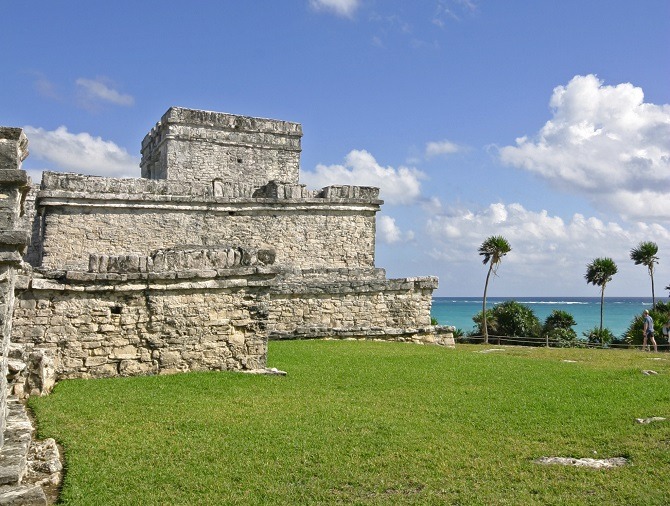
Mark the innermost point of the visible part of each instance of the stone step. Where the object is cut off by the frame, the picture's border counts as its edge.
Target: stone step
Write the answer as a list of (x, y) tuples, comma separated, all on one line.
[(14, 460), (20, 495), (14, 453)]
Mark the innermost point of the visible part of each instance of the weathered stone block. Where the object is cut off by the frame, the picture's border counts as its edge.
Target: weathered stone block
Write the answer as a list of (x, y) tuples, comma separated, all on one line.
[(135, 368), (124, 353), (108, 370), (169, 359), (95, 361)]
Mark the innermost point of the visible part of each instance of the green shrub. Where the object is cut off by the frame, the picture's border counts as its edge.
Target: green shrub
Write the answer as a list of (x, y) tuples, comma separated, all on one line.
[(596, 336), (558, 319), (622, 341), (565, 338), (558, 328), (509, 318)]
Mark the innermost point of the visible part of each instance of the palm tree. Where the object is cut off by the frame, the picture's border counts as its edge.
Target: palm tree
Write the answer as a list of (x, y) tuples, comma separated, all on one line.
[(645, 254), (493, 249), (600, 272)]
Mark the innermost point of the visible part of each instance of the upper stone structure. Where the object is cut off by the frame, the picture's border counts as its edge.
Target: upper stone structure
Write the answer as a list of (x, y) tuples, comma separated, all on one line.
[(203, 146), (13, 148), (13, 181)]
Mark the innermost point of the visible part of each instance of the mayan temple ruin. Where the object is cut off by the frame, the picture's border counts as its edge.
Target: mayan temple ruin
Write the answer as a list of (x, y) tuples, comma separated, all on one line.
[(216, 249)]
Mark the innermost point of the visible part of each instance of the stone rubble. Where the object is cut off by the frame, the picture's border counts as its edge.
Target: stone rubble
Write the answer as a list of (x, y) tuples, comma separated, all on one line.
[(649, 420), (583, 462), (28, 467), (272, 371)]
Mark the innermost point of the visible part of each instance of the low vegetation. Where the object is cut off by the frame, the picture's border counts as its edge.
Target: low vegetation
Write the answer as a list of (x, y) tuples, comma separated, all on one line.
[(660, 313), (509, 318), (599, 336), (371, 423), (512, 322), (558, 329)]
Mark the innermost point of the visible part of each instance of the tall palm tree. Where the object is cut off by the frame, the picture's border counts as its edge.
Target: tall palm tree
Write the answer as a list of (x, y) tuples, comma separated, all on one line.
[(600, 272), (493, 249), (645, 254)]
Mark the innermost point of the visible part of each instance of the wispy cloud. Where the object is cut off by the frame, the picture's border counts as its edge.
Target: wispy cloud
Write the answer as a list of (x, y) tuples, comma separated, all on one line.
[(603, 142), (447, 10), (378, 42), (80, 153), (397, 185), (439, 148), (44, 87), (343, 8), (100, 90)]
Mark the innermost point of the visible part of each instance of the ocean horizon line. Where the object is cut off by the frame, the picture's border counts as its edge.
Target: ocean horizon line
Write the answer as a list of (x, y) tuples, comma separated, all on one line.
[(550, 298), (547, 296)]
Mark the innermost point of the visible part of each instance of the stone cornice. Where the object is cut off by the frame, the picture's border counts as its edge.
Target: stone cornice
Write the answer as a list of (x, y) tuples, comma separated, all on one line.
[(51, 198), (256, 277)]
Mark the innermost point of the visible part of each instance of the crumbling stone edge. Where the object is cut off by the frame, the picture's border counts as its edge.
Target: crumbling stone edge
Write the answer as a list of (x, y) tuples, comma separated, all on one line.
[(30, 469)]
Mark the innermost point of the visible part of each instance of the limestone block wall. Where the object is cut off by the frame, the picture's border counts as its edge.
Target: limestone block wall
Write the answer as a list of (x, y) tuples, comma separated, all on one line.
[(191, 145), (6, 306), (352, 307), (334, 227), (106, 327), (14, 185)]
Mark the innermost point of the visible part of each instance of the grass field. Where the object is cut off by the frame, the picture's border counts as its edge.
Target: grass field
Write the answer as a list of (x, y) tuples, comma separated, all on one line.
[(371, 423)]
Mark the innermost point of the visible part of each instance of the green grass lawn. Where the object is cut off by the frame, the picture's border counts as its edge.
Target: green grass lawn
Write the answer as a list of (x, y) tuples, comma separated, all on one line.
[(370, 423)]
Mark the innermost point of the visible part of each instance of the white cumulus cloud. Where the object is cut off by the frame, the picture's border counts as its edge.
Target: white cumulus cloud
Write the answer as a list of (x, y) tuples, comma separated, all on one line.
[(344, 8), (389, 232), (397, 186), (81, 153), (100, 90), (547, 251), (604, 142)]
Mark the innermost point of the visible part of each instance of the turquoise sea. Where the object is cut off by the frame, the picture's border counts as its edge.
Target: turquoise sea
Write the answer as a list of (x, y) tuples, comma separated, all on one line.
[(618, 313)]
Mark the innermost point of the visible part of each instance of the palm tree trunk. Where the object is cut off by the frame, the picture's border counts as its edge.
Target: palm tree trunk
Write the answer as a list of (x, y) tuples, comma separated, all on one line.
[(602, 305), (653, 298), (486, 287)]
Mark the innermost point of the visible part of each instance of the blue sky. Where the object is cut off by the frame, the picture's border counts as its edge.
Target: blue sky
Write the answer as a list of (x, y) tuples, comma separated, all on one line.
[(546, 122)]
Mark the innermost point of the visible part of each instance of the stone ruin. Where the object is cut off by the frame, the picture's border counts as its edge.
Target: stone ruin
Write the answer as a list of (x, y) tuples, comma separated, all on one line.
[(216, 249)]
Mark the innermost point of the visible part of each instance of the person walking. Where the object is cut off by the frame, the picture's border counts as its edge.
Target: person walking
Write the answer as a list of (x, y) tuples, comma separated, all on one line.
[(648, 332)]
